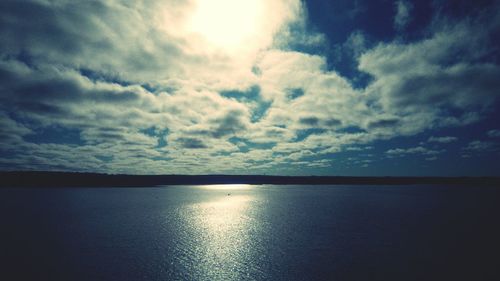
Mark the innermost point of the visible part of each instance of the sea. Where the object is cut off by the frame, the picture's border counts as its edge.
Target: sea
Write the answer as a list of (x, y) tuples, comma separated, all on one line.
[(251, 232)]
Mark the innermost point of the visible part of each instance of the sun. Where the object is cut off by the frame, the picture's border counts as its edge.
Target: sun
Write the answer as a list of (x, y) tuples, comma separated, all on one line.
[(227, 24)]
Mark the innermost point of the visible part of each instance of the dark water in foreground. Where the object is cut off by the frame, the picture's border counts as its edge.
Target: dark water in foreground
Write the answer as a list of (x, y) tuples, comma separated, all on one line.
[(255, 233)]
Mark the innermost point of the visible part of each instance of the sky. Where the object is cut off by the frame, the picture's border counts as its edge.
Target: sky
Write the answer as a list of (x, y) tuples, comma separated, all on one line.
[(281, 87)]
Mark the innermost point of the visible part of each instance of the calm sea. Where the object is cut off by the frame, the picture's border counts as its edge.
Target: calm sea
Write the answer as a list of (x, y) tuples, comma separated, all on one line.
[(243, 232)]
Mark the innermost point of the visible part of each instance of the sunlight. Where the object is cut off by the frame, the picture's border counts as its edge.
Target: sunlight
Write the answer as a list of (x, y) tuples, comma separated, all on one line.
[(227, 24), (226, 186), (220, 229)]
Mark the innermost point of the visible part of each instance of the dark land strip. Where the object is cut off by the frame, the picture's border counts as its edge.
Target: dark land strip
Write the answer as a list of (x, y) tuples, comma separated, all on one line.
[(72, 179)]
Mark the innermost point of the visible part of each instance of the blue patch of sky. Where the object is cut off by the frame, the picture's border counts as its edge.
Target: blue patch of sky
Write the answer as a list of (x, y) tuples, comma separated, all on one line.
[(105, 158), (25, 58), (294, 93), (303, 134), (245, 145), (162, 140), (55, 135), (373, 18), (338, 19), (256, 70), (102, 77), (448, 163), (161, 135), (351, 130), (459, 9), (252, 95), (161, 158), (156, 88), (260, 111), (241, 143), (7, 153), (150, 88), (263, 145), (421, 17), (296, 33), (151, 131)]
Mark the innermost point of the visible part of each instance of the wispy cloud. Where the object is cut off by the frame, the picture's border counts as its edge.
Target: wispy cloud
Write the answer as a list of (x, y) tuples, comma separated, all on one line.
[(413, 150), (494, 133), (442, 139), (403, 16), (481, 146)]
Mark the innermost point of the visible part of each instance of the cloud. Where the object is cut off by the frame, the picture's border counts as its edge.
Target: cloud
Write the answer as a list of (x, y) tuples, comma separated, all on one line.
[(309, 121), (413, 150), (138, 92), (442, 139), (422, 82), (12, 132), (383, 123), (494, 133), (480, 146), (352, 48), (133, 41), (357, 148), (191, 143), (402, 17)]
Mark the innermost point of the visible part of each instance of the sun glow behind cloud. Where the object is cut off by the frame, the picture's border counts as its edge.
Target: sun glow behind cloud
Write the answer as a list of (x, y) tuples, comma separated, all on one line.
[(228, 24), (231, 28)]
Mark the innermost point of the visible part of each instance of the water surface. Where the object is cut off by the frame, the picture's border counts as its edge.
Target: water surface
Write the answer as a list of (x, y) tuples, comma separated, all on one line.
[(243, 232)]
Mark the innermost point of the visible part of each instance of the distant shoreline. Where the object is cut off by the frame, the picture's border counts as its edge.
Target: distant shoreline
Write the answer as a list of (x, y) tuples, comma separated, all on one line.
[(73, 179)]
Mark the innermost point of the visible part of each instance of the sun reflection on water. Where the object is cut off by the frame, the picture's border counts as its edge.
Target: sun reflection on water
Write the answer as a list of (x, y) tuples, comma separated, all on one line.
[(226, 186), (221, 230)]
